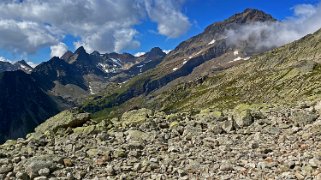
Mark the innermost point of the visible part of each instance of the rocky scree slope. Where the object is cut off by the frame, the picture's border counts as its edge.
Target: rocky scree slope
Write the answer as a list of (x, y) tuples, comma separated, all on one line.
[(247, 142), (211, 45)]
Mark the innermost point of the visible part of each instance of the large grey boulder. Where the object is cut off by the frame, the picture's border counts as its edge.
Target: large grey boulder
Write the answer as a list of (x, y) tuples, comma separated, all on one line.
[(65, 119), (302, 118)]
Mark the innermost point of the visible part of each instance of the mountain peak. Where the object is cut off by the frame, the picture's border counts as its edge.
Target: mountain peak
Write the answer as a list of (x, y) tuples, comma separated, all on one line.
[(250, 15), (22, 62), (80, 50), (95, 53), (67, 55), (155, 52)]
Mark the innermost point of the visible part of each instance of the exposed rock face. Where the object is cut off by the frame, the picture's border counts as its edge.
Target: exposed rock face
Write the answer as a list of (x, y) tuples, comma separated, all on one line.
[(206, 145), (20, 65), (23, 105), (65, 119)]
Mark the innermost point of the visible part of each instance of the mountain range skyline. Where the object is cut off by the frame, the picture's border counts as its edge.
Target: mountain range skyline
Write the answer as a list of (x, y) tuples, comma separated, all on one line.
[(147, 31), (240, 99)]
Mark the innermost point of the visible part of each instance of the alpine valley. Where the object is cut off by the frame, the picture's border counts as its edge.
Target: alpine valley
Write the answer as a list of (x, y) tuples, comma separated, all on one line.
[(212, 108)]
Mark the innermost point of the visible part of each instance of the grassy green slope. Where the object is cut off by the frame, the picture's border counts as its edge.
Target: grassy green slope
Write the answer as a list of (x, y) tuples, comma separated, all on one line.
[(283, 75)]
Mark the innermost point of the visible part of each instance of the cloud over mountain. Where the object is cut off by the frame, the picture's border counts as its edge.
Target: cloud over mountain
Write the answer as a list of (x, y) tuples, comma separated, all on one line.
[(306, 20), (100, 25), (58, 50)]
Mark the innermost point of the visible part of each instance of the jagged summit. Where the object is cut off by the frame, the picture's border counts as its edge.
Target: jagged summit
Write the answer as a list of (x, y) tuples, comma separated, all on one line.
[(67, 55), (95, 53), (80, 50), (156, 50), (249, 16), (245, 17), (19, 65)]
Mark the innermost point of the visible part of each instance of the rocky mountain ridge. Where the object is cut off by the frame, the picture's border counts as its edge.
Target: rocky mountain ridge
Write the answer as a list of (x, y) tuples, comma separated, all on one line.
[(19, 65), (62, 83), (207, 110), (211, 47)]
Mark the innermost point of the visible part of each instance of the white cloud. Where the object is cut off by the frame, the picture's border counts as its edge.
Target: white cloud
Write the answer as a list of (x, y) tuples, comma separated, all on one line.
[(306, 20), (101, 25), (139, 54), (32, 64), (3, 59), (58, 50), (21, 37), (304, 10), (166, 13)]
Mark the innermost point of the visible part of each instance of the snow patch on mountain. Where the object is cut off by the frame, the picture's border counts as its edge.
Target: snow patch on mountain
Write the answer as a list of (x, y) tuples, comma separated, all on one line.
[(212, 42), (236, 53), (240, 58)]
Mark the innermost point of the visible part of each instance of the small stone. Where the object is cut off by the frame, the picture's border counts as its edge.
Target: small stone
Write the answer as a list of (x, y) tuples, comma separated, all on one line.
[(34, 164), (226, 167), (22, 176), (4, 169), (67, 162), (137, 167), (41, 178), (215, 129), (228, 125), (110, 170), (70, 176), (102, 160), (92, 152), (299, 176), (79, 175), (254, 145), (16, 159), (307, 170), (301, 118), (243, 118), (44, 172), (314, 163), (119, 153)]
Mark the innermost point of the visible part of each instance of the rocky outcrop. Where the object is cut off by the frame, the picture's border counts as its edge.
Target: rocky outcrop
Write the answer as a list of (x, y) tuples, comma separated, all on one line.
[(248, 142), (66, 119), (19, 65), (23, 105)]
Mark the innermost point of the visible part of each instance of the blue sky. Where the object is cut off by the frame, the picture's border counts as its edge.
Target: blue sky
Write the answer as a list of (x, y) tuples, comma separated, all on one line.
[(143, 31)]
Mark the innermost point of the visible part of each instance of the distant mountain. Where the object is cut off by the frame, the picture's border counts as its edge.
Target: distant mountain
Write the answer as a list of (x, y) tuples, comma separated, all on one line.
[(61, 83), (144, 63), (6, 66), (76, 75), (111, 79), (20, 65), (211, 47), (24, 66), (23, 105)]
